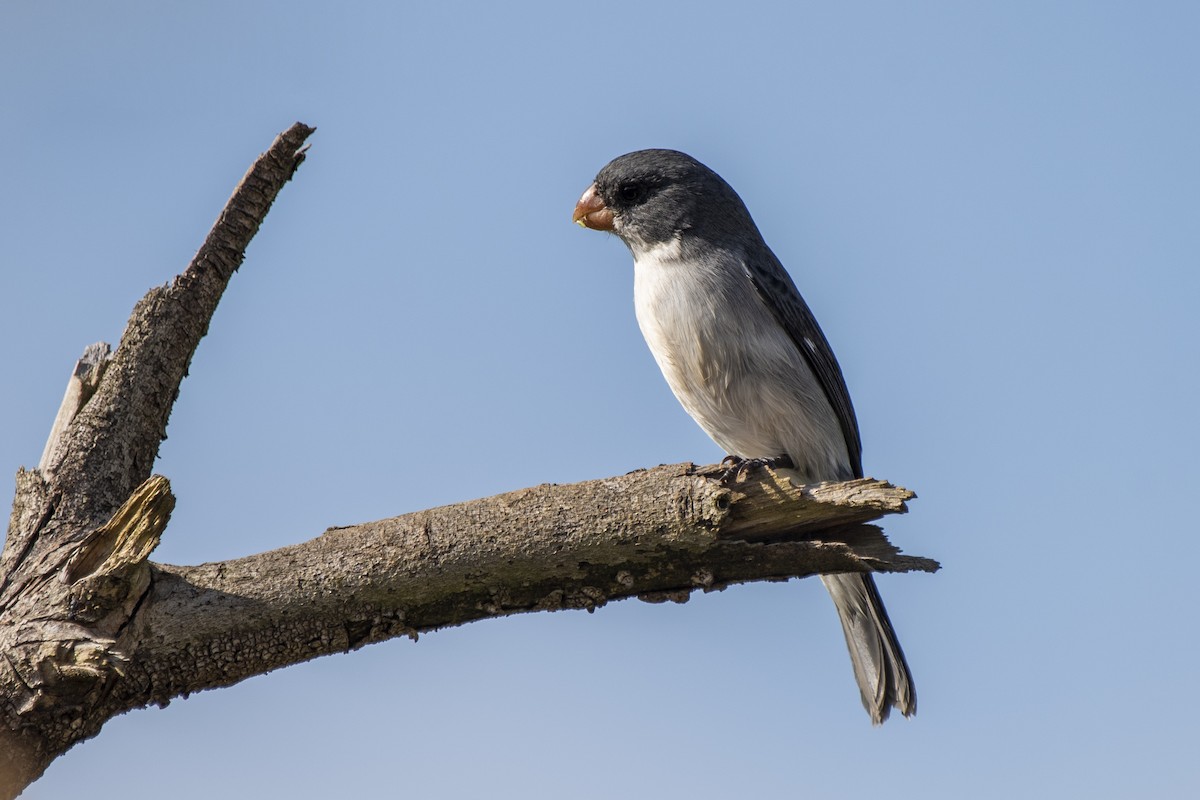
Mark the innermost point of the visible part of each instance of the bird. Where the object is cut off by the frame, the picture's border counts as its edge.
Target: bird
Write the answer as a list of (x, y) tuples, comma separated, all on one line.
[(745, 357)]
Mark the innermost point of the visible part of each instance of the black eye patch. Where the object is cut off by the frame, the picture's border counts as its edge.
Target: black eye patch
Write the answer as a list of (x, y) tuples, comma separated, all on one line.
[(631, 192)]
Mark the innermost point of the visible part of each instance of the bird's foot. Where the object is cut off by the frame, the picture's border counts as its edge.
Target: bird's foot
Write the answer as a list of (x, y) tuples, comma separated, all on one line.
[(738, 466)]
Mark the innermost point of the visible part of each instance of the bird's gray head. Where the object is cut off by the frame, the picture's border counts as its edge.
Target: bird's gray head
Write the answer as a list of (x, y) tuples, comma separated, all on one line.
[(650, 197)]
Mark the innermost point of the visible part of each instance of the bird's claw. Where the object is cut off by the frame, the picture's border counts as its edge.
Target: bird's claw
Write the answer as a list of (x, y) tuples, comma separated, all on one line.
[(738, 467)]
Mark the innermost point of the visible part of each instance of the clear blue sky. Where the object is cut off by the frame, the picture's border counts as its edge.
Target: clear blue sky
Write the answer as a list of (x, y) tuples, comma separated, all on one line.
[(992, 208)]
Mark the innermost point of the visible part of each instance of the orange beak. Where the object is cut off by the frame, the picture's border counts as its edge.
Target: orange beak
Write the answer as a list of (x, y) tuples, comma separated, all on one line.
[(590, 211)]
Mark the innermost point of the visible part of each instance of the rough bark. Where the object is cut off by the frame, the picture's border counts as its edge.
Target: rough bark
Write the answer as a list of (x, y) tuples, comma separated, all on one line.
[(59, 625), (89, 628)]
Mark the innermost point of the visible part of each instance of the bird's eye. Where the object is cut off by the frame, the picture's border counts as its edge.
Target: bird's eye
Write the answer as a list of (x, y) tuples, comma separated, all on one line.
[(630, 192)]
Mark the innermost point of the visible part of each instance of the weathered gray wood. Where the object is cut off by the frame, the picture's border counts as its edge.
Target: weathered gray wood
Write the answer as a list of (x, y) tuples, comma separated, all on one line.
[(90, 628), (80, 388), (58, 625), (663, 532)]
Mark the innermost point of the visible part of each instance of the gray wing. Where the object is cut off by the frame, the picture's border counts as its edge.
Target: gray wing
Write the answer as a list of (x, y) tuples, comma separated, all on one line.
[(779, 293)]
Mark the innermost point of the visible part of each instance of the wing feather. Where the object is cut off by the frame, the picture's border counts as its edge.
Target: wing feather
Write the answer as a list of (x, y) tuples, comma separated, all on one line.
[(779, 293)]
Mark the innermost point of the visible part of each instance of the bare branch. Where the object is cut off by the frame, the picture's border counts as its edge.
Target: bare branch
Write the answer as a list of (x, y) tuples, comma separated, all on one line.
[(80, 388), (114, 438), (660, 533)]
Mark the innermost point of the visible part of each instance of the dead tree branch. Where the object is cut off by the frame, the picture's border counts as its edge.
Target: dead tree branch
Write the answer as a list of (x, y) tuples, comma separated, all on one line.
[(89, 628)]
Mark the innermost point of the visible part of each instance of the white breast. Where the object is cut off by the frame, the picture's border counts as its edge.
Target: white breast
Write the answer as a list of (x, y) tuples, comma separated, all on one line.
[(730, 364)]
